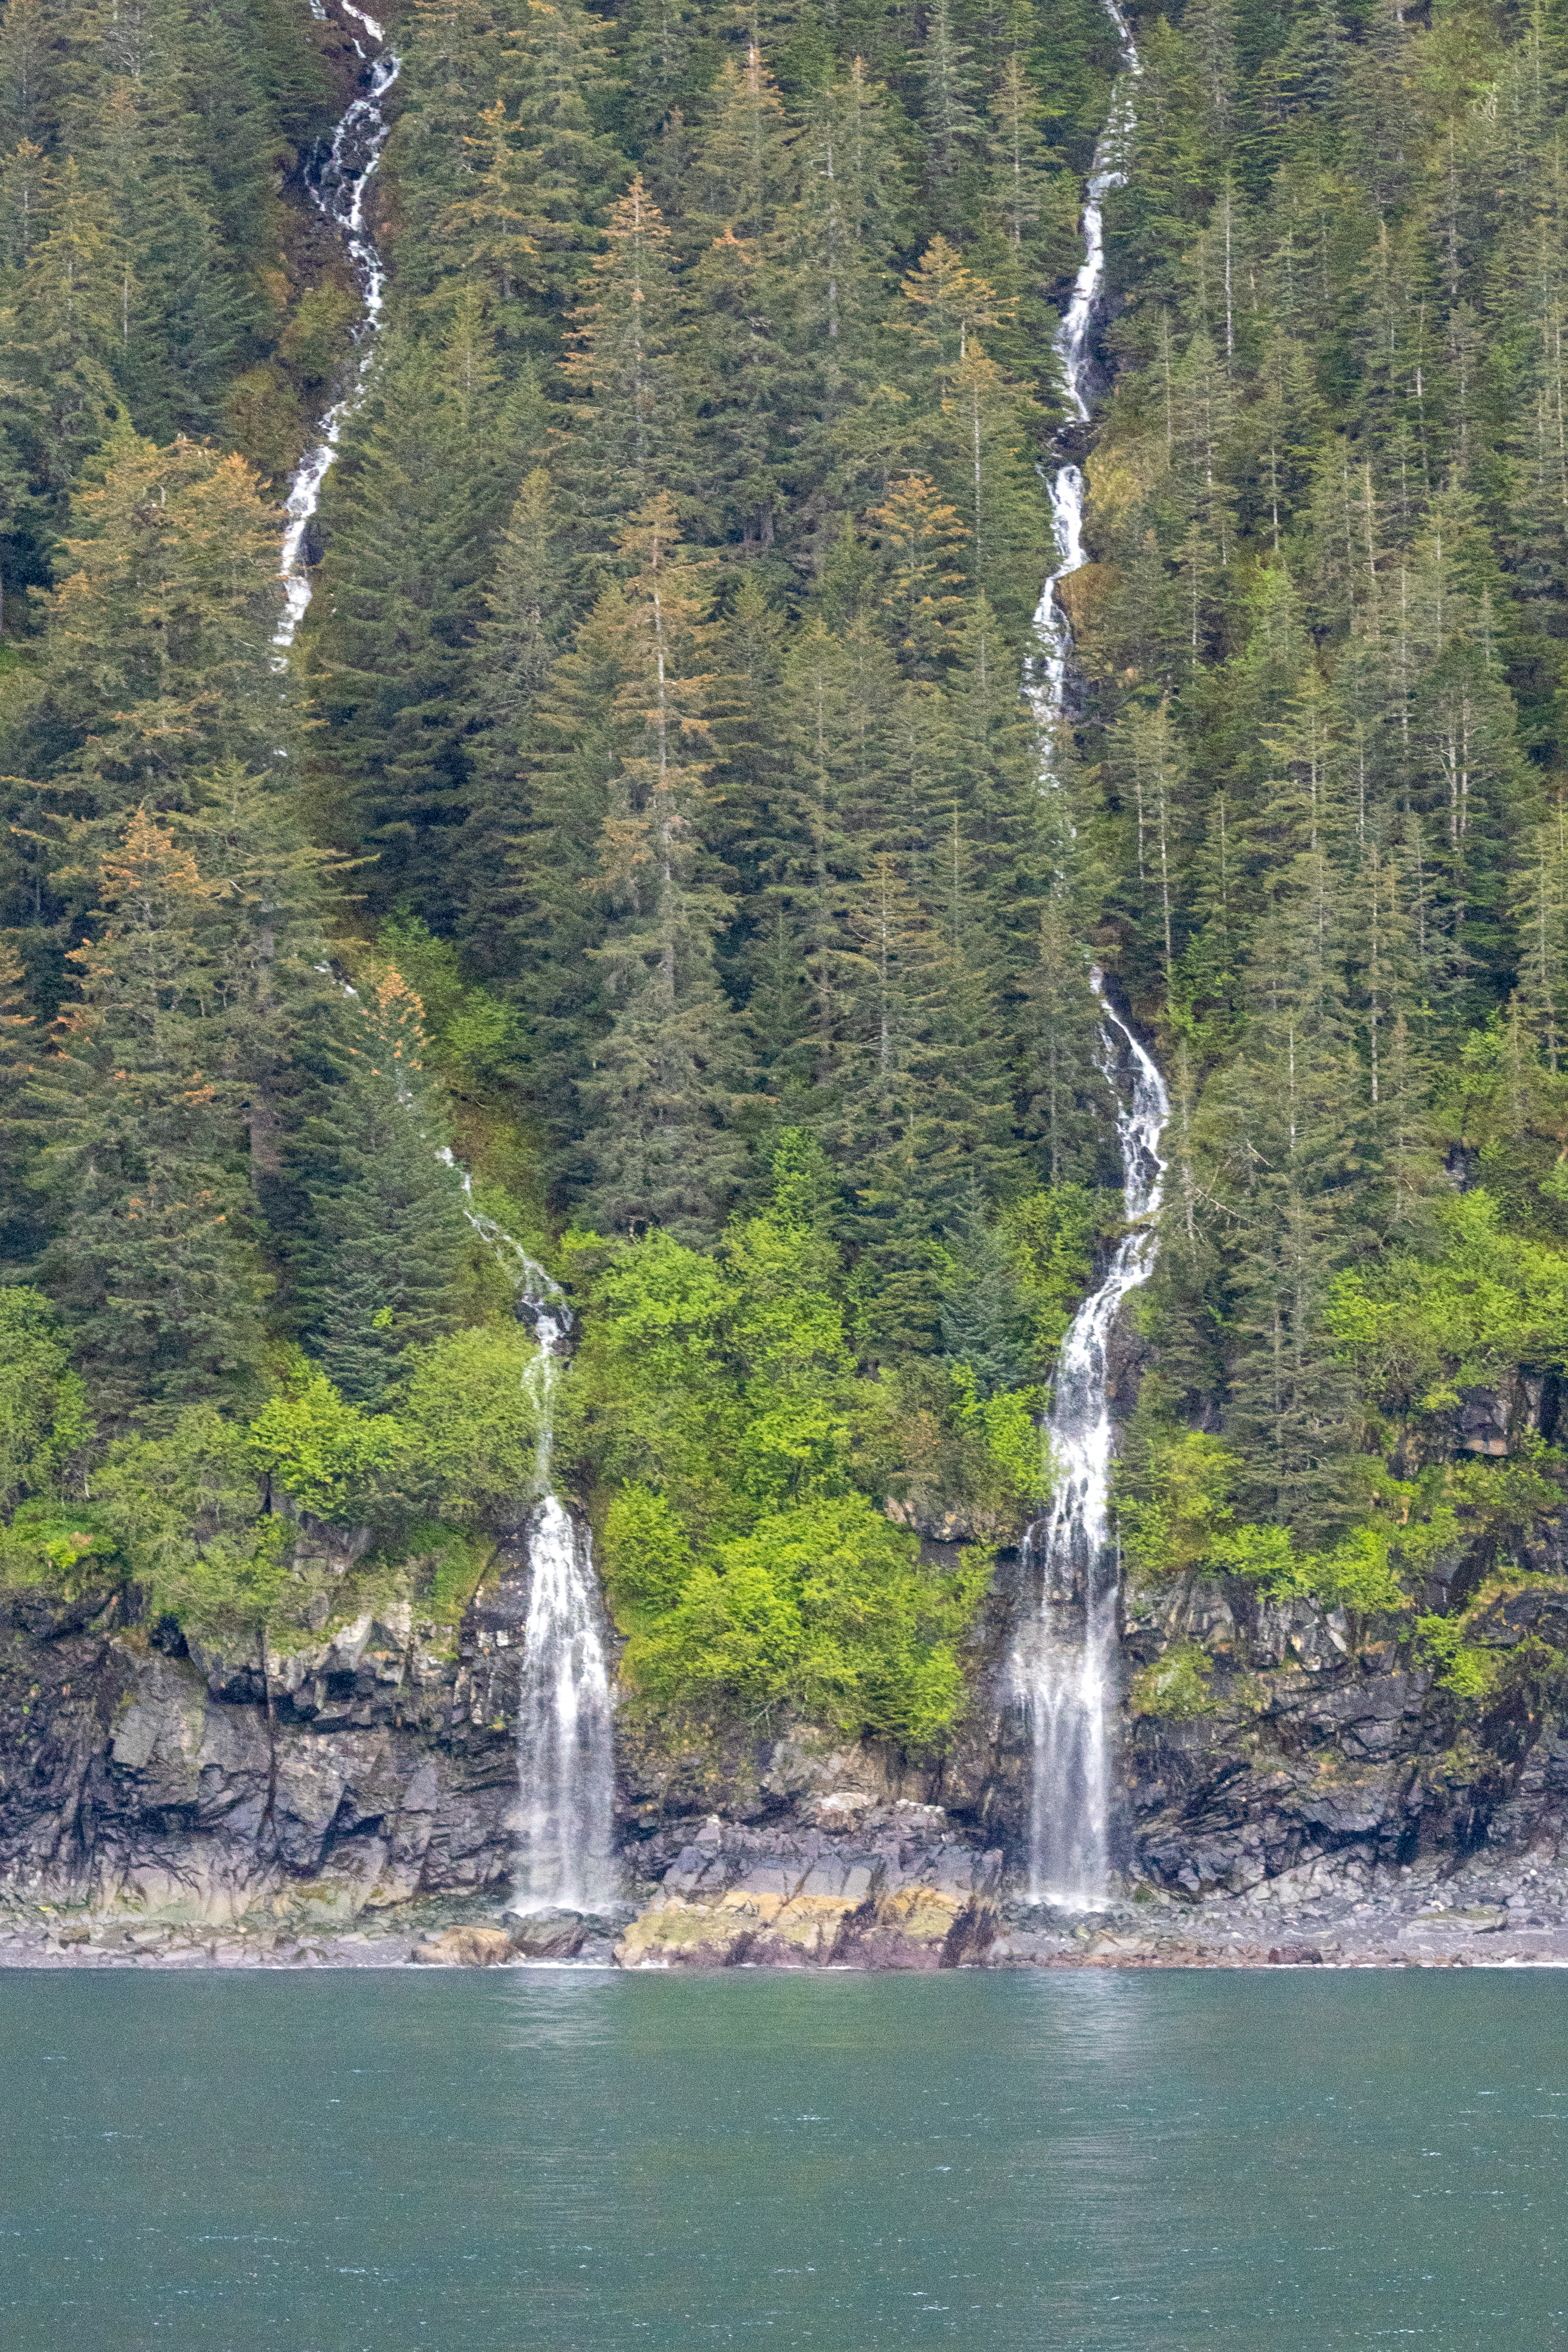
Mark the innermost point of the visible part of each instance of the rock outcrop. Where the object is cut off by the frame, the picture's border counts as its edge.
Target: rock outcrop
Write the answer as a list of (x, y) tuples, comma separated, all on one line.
[(370, 1776), (896, 1890), (141, 1771)]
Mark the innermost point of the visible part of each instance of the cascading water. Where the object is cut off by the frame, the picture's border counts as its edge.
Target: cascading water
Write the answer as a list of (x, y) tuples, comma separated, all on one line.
[(338, 189), (1064, 1660), (566, 1771), (565, 1753), (1063, 1669), (1047, 686)]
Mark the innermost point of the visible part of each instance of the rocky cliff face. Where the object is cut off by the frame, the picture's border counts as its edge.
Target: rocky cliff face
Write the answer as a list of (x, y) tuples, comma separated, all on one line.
[(139, 1772)]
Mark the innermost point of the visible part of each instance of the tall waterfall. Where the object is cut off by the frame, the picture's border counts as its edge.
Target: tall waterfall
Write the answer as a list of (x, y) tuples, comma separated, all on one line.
[(566, 1765), (338, 189), (1062, 1668), (565, 1755)]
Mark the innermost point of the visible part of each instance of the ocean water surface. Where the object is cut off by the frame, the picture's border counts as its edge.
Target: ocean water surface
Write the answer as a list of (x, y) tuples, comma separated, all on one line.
[(429, 2162)]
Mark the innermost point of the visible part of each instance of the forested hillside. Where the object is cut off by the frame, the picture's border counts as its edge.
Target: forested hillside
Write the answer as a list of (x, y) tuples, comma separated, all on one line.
[(649, 815)]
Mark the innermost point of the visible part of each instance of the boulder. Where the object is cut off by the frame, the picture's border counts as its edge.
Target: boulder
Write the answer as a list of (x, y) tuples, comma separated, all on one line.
[(549, 1935), (463, 1948)]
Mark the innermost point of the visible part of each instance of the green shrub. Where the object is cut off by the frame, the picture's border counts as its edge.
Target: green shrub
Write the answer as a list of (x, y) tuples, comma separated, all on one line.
[(1008, 1425), (43, 1404), (826, 1608), (327, 1455), (189, 1515), (1174, 1507), (644, 1558), (1176, 1686), (1460, 1668), (55, 1546), (469, 1416)]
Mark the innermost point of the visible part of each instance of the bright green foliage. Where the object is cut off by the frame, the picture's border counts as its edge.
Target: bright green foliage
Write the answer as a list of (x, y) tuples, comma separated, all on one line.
[(187, 1514), (1421, 1329), (57, 1546), (1467, 1672), (463, 1440), (1176, 1501), (1008, 1425), (468, 1412), (716, 1401), (1175, 1688), (822, 1609), (649, 1556), (43, 1404), (324, 1454)]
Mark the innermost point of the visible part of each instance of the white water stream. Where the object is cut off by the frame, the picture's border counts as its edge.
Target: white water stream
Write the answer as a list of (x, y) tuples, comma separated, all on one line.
[(565, 1764), (565, 1724), (1047, 686), (338, 191), (1063, 1669)]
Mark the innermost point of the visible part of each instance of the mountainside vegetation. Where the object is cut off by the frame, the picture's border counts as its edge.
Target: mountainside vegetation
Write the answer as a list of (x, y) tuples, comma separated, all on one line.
[(650, 819)]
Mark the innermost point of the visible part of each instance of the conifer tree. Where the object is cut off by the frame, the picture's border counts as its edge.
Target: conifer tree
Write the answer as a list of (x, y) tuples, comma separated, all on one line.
[(540, 173), (949, 116), (655, 1101), (844, 225), (140, 1150), (381, 1257), (735, 296), (157, 660), (31, 76), (69, 310), (630, 436), (269, 890), (530, 610), (389, 653)]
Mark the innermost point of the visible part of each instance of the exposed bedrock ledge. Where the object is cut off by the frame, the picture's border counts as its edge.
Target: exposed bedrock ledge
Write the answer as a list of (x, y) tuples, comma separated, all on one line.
[(895, 1891), (142, 1772), (376, 1768)]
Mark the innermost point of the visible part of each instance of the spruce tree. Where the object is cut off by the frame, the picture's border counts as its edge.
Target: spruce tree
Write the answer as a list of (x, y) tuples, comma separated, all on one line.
[(157, 661), (141, 1154), (657, 1099), (388, 651), (380, 1260), (631, 428)]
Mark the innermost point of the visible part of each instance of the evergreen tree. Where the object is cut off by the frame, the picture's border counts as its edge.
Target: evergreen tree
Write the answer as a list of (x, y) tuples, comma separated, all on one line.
[(141, 1151), (388, 655), (539, 175), (632, 426), (381, 1258), (157, 661), (655, 1101)]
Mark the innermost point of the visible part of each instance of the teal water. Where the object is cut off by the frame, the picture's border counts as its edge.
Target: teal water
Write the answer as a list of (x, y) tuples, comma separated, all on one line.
[(413, 2162)]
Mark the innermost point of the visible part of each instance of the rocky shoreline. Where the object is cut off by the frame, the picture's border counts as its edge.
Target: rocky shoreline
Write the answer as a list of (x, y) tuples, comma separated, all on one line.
[(897, 1895), (354, 1804)]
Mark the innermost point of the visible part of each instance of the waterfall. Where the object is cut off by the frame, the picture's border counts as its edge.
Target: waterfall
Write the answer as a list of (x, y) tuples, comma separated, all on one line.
[(337, 190), (565, 1755), (566, 1768), (1047, 686), (1064, 1661), (1063, 1664)]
